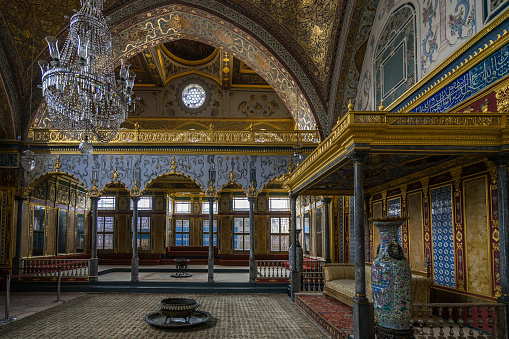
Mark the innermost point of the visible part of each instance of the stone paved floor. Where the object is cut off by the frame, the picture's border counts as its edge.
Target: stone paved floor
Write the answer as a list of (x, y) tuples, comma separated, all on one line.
[(121, 316), (23, 304)]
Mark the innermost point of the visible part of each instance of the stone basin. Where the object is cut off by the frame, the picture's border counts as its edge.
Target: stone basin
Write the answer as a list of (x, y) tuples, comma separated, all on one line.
[(178, 307)]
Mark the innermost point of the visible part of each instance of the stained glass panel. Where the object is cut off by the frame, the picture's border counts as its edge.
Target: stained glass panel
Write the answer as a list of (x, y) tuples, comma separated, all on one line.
[(193, 96)]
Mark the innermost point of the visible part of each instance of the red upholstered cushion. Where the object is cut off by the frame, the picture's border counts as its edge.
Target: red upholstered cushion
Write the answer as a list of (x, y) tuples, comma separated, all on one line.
[(187, 254), (234, 256)]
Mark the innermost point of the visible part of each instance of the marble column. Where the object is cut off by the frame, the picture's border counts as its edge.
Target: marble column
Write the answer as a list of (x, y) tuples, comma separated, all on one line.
[(503, 224), (252, 262), (293, 254), (135, 261), (210, 278), (361, 312), (326, 229), (94, 261), (19, 233)]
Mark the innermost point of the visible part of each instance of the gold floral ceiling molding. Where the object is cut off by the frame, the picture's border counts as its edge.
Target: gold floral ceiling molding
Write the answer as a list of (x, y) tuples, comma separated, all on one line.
[(161, 29)]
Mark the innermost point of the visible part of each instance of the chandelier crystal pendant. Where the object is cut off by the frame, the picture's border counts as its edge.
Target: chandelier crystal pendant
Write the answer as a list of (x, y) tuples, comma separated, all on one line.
[(84, 100)]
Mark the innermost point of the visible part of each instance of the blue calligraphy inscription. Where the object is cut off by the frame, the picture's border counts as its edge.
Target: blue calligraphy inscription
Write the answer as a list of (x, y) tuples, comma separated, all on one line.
[(478, 78)]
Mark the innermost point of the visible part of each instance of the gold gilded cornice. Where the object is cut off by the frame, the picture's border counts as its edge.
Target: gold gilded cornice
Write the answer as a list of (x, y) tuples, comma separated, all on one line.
[(371, 129), (465, 66), (140, 137)]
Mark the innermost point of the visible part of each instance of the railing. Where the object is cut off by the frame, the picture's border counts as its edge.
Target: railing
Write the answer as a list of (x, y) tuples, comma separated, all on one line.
[(272, 269), (307, 138), (312, 276), (75, 268), (459, 321)]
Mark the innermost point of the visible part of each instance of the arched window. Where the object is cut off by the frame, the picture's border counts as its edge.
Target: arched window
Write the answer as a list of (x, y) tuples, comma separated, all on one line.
[(395, 62)]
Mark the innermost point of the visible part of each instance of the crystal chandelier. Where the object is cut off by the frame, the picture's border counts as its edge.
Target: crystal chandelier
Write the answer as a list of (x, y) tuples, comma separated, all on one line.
[(84, 100)]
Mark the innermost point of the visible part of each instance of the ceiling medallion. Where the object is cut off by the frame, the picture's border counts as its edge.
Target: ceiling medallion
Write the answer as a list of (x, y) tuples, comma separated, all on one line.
[(84, 100)]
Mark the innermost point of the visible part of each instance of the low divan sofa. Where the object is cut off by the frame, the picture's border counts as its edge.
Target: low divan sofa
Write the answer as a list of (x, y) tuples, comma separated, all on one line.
[(340, 284)]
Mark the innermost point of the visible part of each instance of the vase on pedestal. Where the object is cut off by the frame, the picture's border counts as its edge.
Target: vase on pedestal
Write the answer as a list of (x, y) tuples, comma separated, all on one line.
[(299, 254), (391, 281)]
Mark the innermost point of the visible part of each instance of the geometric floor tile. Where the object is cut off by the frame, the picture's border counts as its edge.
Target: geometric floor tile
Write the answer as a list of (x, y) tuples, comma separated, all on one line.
[(117, 315)]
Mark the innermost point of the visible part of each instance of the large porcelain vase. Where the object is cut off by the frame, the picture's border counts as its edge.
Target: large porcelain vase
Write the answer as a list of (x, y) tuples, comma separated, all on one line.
[(300, 254), (391, 279)]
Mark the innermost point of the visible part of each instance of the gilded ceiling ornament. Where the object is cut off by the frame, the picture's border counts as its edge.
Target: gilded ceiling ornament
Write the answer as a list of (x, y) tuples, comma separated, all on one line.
[(290, 165), (178, 22), (252, 192), (173, 164), (135, 191), (57, 163), (223, 36), (94, 191), (211, 191), (232, 176), (262, 62), (115, 175)]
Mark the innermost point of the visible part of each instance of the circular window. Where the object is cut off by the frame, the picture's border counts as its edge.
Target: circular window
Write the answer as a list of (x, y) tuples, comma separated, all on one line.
[(193, 96)]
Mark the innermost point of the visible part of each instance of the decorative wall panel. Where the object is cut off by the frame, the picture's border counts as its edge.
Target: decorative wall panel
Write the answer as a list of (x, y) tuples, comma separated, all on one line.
[(341, 228), (415, 230), (142, 169), (443, 237), (352, 232), (477, 237), (377, 214), (8, 160), (3, 227), (443, 26)]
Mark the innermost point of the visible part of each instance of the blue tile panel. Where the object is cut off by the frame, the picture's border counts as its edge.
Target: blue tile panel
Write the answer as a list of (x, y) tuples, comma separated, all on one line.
[(475, 80), (443, 236)]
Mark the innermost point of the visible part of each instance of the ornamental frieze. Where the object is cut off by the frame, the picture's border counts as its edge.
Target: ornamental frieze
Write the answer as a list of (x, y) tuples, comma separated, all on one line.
[(138, 171)]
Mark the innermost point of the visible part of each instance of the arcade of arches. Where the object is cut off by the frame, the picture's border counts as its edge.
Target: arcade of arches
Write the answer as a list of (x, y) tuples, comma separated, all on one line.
[(255, 119)]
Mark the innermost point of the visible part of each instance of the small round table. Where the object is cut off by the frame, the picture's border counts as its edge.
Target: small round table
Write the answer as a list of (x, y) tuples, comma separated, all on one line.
[(181, 265)]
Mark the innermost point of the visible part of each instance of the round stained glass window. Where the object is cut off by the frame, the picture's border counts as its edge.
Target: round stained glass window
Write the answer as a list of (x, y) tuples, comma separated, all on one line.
[(193, 96)]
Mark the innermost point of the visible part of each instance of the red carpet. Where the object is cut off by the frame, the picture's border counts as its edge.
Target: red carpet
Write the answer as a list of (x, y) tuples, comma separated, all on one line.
[(335, 317)]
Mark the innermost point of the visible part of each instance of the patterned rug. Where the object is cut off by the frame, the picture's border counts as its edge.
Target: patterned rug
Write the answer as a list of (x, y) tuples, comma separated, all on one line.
[(121, 316), (335, 317)]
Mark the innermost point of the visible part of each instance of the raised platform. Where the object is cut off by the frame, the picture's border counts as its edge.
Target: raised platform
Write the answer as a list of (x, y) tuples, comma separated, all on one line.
[(333, 316)]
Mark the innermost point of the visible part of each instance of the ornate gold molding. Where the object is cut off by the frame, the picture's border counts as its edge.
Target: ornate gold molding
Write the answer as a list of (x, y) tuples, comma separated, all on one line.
[(473, 130), (173, 137), (502, 96)]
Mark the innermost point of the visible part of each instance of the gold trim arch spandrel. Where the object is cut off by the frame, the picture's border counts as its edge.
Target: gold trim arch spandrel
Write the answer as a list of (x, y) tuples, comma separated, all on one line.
[(175, 22)]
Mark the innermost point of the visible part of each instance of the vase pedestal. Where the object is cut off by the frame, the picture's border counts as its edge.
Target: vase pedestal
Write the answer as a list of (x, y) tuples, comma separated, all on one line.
[(388, 333)]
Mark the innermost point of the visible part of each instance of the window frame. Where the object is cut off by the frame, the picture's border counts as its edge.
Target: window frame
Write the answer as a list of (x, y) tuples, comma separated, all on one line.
[(105, 198), (205, 234), (140, 232), (188, 203), (284, 209), (242, 234), (182, 232), (280, 234), (141, 207), (240, 209), (104, 233)]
